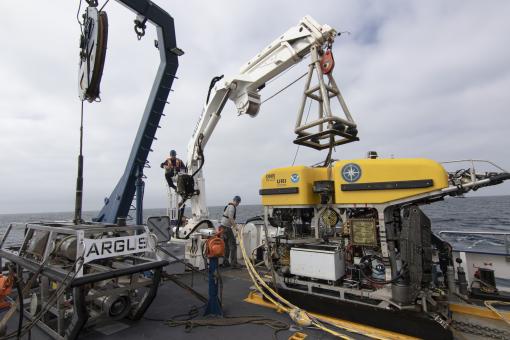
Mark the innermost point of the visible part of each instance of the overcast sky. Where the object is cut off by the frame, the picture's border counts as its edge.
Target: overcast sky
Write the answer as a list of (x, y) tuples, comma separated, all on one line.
[(421, 78)]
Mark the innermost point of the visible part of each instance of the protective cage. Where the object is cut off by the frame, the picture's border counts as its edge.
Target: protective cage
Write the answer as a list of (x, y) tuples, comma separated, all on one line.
[(82, 275)]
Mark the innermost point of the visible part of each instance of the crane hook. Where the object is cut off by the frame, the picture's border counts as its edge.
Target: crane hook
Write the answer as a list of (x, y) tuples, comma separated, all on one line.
[(140, 28)]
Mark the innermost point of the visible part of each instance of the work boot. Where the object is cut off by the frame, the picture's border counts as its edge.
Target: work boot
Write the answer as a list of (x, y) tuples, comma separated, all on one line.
[(236, 266), (225, 264)]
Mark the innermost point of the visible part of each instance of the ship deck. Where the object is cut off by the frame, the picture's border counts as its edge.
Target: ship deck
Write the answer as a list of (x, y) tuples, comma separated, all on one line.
[(172, 301), (175, 302)]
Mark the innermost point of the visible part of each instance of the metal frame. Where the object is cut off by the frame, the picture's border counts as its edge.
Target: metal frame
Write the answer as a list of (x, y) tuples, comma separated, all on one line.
[(473, 161), (326, 120), (382, 295), (120, 200), (61, 271)]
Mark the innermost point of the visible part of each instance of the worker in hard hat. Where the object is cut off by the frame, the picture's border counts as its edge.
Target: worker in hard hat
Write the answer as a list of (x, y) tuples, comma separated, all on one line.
[(228, 222), (172, 166)]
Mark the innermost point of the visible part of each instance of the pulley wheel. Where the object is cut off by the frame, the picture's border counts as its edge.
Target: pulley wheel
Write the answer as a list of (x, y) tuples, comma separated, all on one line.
[(92, 54)]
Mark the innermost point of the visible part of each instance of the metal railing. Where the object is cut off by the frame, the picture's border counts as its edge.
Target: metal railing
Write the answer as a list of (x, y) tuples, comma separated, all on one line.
[(473, 161), (505, 234)]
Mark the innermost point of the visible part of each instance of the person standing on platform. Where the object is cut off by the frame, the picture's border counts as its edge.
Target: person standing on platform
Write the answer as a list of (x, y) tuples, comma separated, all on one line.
[(172, 166)]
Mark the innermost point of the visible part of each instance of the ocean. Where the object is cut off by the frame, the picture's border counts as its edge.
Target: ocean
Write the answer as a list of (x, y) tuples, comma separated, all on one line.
[(470, 213)]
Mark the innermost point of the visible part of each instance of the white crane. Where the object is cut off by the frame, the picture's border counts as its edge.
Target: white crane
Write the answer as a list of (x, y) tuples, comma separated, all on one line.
[(243, 89)]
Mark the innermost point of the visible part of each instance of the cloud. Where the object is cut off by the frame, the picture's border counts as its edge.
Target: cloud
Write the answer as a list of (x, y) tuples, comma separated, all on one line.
[(422, 79)]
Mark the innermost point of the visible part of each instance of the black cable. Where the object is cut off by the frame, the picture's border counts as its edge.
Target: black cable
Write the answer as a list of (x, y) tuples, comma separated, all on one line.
[(174, 279), (179, 260), (375, 281), (20, 298), (193, 312), (101, 9), (58, 292), (276, 331), (209, 225), (56, 295), (254, 218), (200, 154), (27, 286), (185, 196), (180, 213), (214, 80), (276, 325), (78, 17)]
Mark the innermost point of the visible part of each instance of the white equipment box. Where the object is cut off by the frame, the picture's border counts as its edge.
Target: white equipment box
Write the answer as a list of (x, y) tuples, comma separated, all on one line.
[(317, 261)]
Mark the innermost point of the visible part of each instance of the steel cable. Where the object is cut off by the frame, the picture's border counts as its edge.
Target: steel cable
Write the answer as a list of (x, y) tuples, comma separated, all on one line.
[(284, 88), (306, 120)]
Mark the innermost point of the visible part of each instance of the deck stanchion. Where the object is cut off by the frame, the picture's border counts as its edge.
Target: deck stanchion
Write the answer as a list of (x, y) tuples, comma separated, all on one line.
[(213, 304)]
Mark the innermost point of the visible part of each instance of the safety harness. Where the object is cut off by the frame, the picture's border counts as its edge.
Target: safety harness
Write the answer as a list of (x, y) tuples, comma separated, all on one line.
[(225, 209), (175, 168)]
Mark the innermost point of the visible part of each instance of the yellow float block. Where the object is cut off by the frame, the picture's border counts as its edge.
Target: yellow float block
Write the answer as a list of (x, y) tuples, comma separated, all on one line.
[(291, 185), (359, 181)]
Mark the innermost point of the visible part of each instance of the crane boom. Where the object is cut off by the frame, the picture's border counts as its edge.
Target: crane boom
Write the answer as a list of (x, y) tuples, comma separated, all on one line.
[(243, 89), (120, 200)]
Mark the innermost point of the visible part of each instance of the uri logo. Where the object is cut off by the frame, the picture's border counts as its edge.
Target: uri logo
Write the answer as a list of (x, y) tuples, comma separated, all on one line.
[(351, 172), (294, 178)]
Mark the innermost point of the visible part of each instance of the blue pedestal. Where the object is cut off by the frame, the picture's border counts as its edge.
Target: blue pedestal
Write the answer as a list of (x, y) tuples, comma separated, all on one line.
[(213, 305)]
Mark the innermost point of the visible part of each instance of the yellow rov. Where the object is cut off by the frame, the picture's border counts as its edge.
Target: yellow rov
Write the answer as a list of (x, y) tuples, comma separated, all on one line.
[(352, 236)]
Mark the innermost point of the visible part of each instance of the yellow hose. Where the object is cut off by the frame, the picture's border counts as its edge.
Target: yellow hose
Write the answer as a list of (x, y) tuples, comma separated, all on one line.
[(489, 304), (298, 315)]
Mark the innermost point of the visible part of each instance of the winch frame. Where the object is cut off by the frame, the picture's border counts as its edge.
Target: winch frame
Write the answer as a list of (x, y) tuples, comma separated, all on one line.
[(75, 291)]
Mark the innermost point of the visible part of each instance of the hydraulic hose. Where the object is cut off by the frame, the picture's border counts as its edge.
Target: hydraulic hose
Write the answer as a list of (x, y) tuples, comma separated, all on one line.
[(211, 86), (209, 224), (253, 219), (201, 154)]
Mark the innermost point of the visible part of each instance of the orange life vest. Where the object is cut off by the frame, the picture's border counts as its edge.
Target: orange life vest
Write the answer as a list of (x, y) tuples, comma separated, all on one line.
[(178, 164)]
